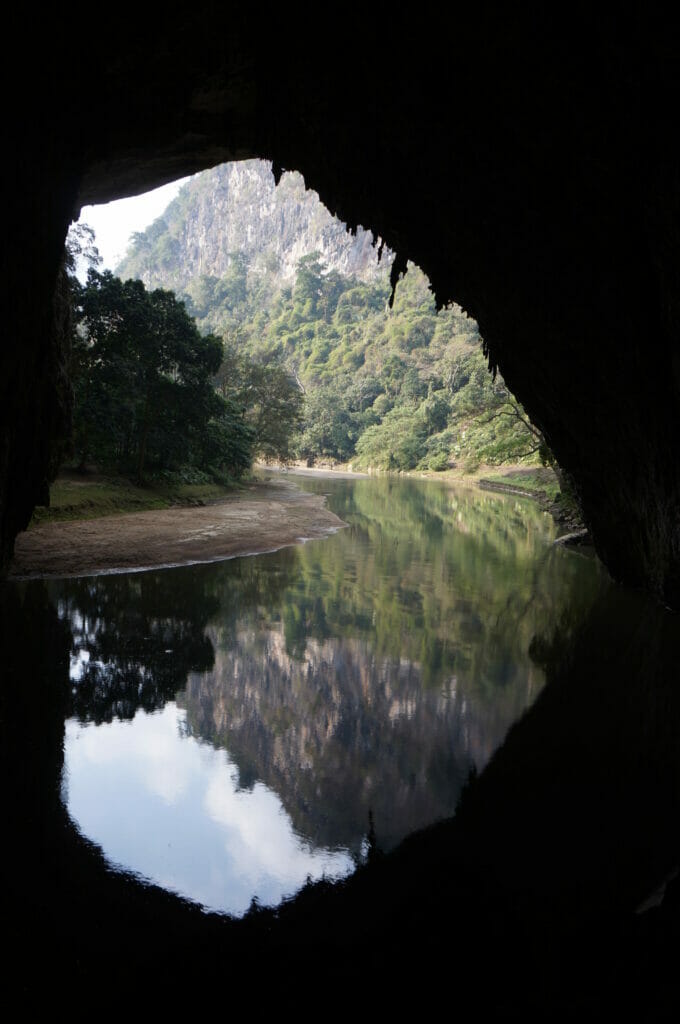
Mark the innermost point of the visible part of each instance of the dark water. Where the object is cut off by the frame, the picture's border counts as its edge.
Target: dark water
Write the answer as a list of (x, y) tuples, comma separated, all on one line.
[(234, 729)]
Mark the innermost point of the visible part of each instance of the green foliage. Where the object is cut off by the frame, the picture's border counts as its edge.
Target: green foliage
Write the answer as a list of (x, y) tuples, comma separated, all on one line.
[(269, 396), (144, 395), (493, 427), (328, 432), (400, 389), (394, 390), (397, 442)]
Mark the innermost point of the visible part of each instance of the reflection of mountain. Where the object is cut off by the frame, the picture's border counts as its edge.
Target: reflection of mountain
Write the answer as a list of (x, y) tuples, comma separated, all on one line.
[(388, 660), (365, 672), (573, 825), (341, 731)]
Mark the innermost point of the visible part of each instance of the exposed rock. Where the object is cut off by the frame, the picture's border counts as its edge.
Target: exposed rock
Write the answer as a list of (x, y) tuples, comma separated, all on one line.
[(238, 208)]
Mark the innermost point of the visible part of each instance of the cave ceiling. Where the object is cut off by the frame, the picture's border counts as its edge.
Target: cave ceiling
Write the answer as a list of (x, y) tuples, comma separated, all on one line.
[(526, 167)]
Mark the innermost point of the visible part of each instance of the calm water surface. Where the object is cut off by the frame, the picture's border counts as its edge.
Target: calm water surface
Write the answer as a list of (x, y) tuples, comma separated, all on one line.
[(236, 727)]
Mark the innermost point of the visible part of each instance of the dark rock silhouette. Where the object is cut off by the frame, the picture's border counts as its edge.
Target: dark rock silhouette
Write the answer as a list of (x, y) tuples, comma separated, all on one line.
[(529, 172), (554, 887)]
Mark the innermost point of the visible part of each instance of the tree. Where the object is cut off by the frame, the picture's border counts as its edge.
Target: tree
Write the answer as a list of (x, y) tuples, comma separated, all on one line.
[(494, 425), (328, 429), (370, 375), (81, 252), (269, 396), (308, 283), (143, 382)]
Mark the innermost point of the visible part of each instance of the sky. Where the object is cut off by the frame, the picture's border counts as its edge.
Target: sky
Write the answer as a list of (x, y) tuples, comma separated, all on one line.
[(115, 222)]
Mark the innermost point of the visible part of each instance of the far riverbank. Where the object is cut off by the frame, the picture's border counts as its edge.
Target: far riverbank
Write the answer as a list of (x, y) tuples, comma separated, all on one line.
[(540, 483)]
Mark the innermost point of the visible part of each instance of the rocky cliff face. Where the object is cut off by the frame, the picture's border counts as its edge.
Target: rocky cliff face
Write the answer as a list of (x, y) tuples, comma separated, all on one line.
[(238, 208)]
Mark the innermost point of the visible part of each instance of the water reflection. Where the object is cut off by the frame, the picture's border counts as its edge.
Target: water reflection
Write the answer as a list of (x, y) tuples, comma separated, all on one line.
[(134, 639), (538, 883), (339, 732), (363, 674), (202, 833)]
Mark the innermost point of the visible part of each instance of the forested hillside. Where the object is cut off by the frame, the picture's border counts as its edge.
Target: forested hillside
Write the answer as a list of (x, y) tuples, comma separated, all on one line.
[(288, 288)]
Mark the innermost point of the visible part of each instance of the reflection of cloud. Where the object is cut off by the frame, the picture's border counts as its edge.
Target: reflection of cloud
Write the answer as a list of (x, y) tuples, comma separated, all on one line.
[(261, 840), (147, 746), (168, 807)]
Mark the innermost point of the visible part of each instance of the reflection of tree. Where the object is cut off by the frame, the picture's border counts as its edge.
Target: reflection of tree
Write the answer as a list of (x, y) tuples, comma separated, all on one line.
[(390, 660), (453, 580), (364, 673), (134, 639), (572, 825)]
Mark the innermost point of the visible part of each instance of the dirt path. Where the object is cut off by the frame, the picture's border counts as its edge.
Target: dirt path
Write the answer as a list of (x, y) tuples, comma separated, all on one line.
[(262, 518)]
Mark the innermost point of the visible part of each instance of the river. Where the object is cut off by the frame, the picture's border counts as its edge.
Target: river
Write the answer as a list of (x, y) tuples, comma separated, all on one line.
[(236, 729)]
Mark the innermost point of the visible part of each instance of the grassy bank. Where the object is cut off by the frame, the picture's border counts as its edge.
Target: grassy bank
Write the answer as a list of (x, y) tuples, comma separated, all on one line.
[(75, 496), (535, 481), (541, 484)]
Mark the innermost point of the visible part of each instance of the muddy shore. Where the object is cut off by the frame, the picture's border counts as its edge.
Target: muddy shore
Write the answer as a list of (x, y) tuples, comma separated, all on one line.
[(261, 518)]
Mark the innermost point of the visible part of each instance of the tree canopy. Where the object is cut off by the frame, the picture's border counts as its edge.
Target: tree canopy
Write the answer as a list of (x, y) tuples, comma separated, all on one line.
[(405, 387), (323, 369), (400, 389), (144, 392)]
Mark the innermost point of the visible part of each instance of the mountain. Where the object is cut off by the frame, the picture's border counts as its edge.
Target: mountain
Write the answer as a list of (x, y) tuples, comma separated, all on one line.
[(267, 268), (238, 208)]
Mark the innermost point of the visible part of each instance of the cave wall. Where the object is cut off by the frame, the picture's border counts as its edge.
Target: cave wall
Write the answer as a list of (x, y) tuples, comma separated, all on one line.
[(528, 170)]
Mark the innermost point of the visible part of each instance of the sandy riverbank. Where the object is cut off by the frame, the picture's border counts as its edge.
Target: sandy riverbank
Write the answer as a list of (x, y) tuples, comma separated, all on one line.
[(264, 517)]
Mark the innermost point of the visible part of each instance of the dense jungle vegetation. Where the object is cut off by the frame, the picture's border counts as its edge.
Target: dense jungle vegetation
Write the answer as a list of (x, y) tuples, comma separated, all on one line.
[(394, 389), (277, 358), (152, 394)]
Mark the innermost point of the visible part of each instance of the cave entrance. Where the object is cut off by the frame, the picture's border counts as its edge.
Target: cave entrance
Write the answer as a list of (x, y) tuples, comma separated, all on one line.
[(235, 688), (325, 361)]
